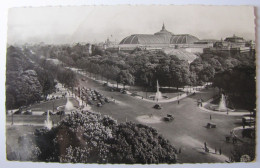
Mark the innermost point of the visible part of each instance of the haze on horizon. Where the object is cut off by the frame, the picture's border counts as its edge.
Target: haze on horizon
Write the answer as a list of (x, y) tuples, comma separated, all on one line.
[(58, 25)]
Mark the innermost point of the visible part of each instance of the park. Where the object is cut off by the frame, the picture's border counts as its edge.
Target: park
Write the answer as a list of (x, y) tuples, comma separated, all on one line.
[(188, 130)]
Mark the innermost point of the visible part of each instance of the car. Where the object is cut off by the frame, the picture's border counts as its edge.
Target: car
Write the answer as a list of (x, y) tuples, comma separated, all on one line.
[(60, 113), (211, 125), (107, 100), (28, 112), (169, 117), (99, 104), (18, 111), (90, 102), (83, 79), (102, 101), (157, 106), (50, 113)]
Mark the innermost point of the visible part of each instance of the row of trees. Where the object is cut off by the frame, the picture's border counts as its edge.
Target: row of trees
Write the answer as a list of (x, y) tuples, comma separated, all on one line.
[(143, 68), (22, 82), (30, 78)]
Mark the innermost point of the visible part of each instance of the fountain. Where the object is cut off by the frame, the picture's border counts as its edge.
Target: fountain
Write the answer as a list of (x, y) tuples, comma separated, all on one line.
[(222, 104), (158, 94), (222, 107), (68, 107), (47, 122)]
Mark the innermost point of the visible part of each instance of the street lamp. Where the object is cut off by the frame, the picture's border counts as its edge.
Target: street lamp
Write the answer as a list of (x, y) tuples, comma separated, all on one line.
[(12, 117), (226, 101)]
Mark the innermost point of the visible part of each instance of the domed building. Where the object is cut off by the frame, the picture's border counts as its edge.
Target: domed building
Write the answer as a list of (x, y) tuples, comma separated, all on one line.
[(158, 40)]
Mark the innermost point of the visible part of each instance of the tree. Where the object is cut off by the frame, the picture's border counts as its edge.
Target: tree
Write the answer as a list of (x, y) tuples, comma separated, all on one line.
[(240, 84), (179, 73), (207, 74), (90, 138), (46, 80), (125, 78)]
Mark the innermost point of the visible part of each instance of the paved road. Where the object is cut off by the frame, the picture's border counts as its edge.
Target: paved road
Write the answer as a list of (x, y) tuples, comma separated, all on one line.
[(187, 131)]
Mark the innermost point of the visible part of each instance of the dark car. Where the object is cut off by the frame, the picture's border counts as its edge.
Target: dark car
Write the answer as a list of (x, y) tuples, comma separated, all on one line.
[(28, 112), (107, 100), (102, 101), (211, 125), (50, 113), (157, 106), (60, 113), (169, 117), (18, 111)]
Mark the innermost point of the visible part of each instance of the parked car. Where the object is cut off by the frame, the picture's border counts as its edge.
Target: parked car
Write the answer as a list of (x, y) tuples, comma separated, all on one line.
[(102, 101), (107, 100), (18, 111), (28, 112), (99, 104), (50, 113), (60, 113)]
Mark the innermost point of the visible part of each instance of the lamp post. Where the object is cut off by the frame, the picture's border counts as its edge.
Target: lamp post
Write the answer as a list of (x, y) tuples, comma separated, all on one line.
[(226, 97), (12, 117)]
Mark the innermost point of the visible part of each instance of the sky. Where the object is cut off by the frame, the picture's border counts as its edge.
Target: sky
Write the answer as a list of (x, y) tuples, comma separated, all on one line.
[(56, 25)]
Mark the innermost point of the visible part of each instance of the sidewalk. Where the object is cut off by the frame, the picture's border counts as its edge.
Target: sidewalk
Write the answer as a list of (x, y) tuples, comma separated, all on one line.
[(173, 99), (230, 113)]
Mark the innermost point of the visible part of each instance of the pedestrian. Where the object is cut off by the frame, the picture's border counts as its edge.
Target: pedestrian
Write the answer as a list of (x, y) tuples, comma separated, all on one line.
[(210, 116), (205, 145), (220, 151), (178, 101)]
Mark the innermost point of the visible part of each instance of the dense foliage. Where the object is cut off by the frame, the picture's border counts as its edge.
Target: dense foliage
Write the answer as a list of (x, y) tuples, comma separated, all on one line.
[(90, 138), (30, 77), (143, 68), (22, 84), (239, 84)]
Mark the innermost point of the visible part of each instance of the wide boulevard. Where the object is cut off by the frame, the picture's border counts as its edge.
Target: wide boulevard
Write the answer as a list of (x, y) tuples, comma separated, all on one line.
[(187, 132)]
